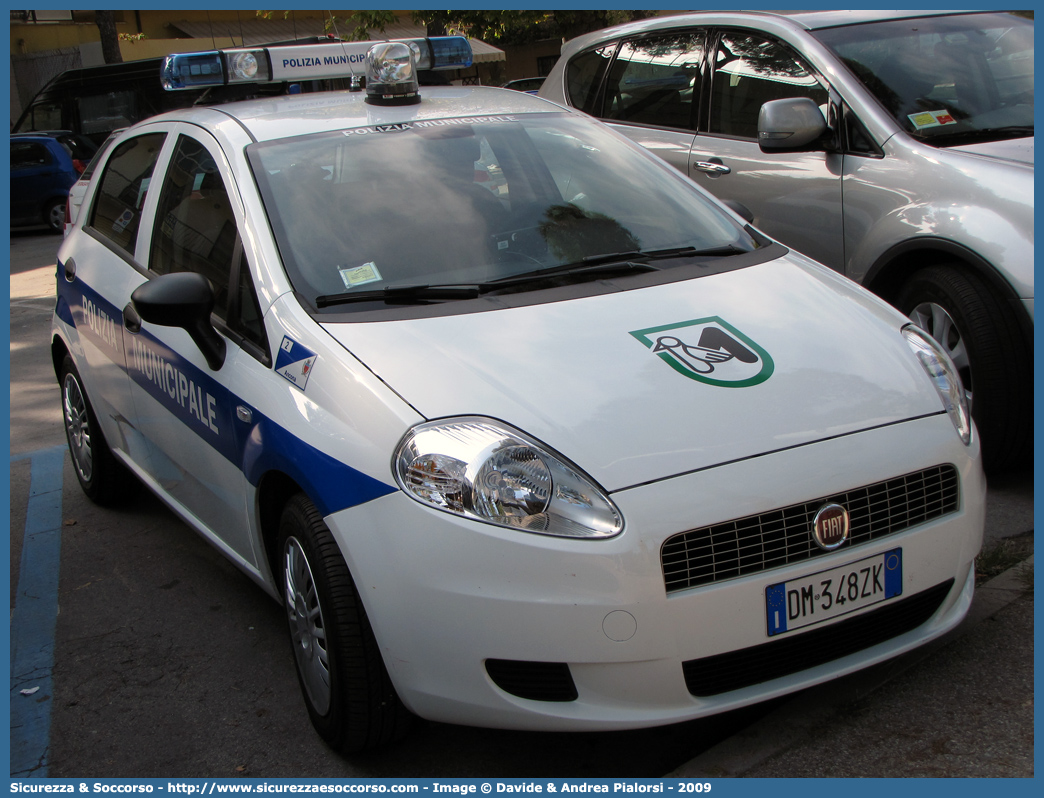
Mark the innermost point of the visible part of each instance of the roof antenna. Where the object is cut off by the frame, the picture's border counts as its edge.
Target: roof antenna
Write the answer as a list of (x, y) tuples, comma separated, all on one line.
[(355, 81), (210, 24)]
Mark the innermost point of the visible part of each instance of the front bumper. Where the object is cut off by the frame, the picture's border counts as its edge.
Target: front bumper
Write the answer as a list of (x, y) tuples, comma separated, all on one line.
[(445, 594)]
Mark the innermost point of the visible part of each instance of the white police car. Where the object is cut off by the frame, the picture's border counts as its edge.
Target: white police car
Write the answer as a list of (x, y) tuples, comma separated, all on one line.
[(523, 428)]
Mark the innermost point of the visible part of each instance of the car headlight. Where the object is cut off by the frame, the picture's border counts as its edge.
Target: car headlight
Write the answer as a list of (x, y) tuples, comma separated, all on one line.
[(481, 469), (944, 377)]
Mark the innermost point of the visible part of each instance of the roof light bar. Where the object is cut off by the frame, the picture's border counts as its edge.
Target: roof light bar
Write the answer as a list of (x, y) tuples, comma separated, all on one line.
[(300, 62)]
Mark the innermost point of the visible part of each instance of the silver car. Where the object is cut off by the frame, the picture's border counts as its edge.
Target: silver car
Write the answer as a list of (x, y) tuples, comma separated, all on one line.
[(895, 147)]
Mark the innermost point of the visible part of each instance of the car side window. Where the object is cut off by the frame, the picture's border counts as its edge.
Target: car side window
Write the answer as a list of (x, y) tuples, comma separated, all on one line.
[(656, 80), (749, 71), (116, 214), (196, 231)]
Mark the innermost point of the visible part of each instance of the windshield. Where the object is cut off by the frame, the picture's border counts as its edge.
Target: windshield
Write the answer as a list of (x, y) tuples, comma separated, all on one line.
[(946, 80), (469, 202)]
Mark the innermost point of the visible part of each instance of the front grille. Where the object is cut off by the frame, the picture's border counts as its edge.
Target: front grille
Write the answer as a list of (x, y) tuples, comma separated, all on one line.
[(736, 669), (771, 540), (538, 681)]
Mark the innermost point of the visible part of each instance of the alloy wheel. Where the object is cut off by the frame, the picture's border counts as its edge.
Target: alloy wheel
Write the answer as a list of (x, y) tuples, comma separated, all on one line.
[(307, 627), (77, 427)]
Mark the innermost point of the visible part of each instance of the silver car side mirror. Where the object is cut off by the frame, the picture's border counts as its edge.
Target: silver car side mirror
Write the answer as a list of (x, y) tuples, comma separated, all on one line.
[(789, 124)]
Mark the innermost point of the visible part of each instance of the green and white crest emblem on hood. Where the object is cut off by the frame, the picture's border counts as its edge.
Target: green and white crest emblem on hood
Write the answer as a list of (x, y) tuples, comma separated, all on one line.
[(709, 350)]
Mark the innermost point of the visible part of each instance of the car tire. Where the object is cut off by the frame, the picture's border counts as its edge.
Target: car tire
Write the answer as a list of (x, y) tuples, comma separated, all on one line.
[(350, 698), (54, 215), (101, 476), (982, 336)]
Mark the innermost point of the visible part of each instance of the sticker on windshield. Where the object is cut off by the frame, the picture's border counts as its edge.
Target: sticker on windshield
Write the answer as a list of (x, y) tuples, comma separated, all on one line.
[(294, 362), (931, 119), (709, 350), (360, 275)]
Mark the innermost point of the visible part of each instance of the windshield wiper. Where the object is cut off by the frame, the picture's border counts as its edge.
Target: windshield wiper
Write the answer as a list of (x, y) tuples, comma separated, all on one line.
[(422, 294), (659, 254), (596, 265), (402, 294), (603, 264), (983, 134), (607, 262)]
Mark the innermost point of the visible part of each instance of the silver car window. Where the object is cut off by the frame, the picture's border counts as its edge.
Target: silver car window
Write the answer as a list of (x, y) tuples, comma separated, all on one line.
[(655, 81), (749, 71)]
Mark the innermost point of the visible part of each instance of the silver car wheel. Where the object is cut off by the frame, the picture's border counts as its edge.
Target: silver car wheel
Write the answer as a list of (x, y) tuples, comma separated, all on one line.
[(307, 626), (937, 322), (77, 427)]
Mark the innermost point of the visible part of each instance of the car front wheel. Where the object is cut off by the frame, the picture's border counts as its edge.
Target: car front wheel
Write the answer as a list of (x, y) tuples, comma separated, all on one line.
[(982, 337), (350, 698)]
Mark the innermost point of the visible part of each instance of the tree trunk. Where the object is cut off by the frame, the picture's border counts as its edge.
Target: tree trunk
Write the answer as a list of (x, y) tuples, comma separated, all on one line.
[(110, 40)]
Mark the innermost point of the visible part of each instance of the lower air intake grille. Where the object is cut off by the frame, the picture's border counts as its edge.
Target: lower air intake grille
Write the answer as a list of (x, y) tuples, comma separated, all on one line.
[(737, 669), (538, 681), (771, 540)]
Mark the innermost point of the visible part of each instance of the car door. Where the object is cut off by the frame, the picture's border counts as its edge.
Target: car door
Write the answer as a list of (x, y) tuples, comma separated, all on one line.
[(95, 283), (794, 196), (652, 92), (188, 409)]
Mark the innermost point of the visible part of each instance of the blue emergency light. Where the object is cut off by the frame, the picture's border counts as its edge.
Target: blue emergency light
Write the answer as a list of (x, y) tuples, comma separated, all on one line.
[(301, 62)]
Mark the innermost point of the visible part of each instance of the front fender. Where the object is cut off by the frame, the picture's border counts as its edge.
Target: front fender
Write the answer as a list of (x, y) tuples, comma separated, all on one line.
[(1003, 256), (331, 484)]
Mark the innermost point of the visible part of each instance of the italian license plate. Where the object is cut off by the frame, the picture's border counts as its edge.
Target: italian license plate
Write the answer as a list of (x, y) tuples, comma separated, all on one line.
[(829, 594)]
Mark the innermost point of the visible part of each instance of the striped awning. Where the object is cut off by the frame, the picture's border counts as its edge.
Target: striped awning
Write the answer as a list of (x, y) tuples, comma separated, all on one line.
[(250, 31)]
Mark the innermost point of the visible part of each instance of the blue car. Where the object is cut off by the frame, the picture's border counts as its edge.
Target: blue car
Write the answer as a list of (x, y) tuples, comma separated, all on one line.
[(43, 167)]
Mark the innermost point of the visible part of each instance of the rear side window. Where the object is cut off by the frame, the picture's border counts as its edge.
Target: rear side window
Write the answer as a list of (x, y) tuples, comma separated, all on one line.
[(748, 72), (88, 173), (584, 76), (655, 81), (27, 154), (116, 214)]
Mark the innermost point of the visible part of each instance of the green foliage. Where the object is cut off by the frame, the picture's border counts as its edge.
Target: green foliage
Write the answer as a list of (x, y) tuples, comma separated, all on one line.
[(368, 24), (520, 27), (496, 27)]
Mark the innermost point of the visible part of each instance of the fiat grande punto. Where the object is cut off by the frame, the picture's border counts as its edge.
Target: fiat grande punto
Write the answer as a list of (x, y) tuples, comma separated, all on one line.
[(522, 428)]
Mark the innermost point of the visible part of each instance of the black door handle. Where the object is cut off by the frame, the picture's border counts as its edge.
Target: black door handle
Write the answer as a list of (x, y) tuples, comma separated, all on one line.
[(131, 319)]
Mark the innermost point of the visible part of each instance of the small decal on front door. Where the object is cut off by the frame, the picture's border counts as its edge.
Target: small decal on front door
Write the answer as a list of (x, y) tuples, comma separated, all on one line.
[(294, 362)]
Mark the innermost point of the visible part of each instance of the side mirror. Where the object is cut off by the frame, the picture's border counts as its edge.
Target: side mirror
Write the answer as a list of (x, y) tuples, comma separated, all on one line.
[(185, 300), (739, 209), (789, 124)]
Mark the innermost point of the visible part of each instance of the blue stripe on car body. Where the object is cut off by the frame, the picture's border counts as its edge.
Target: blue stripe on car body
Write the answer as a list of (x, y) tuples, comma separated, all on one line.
[(208, 408)]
